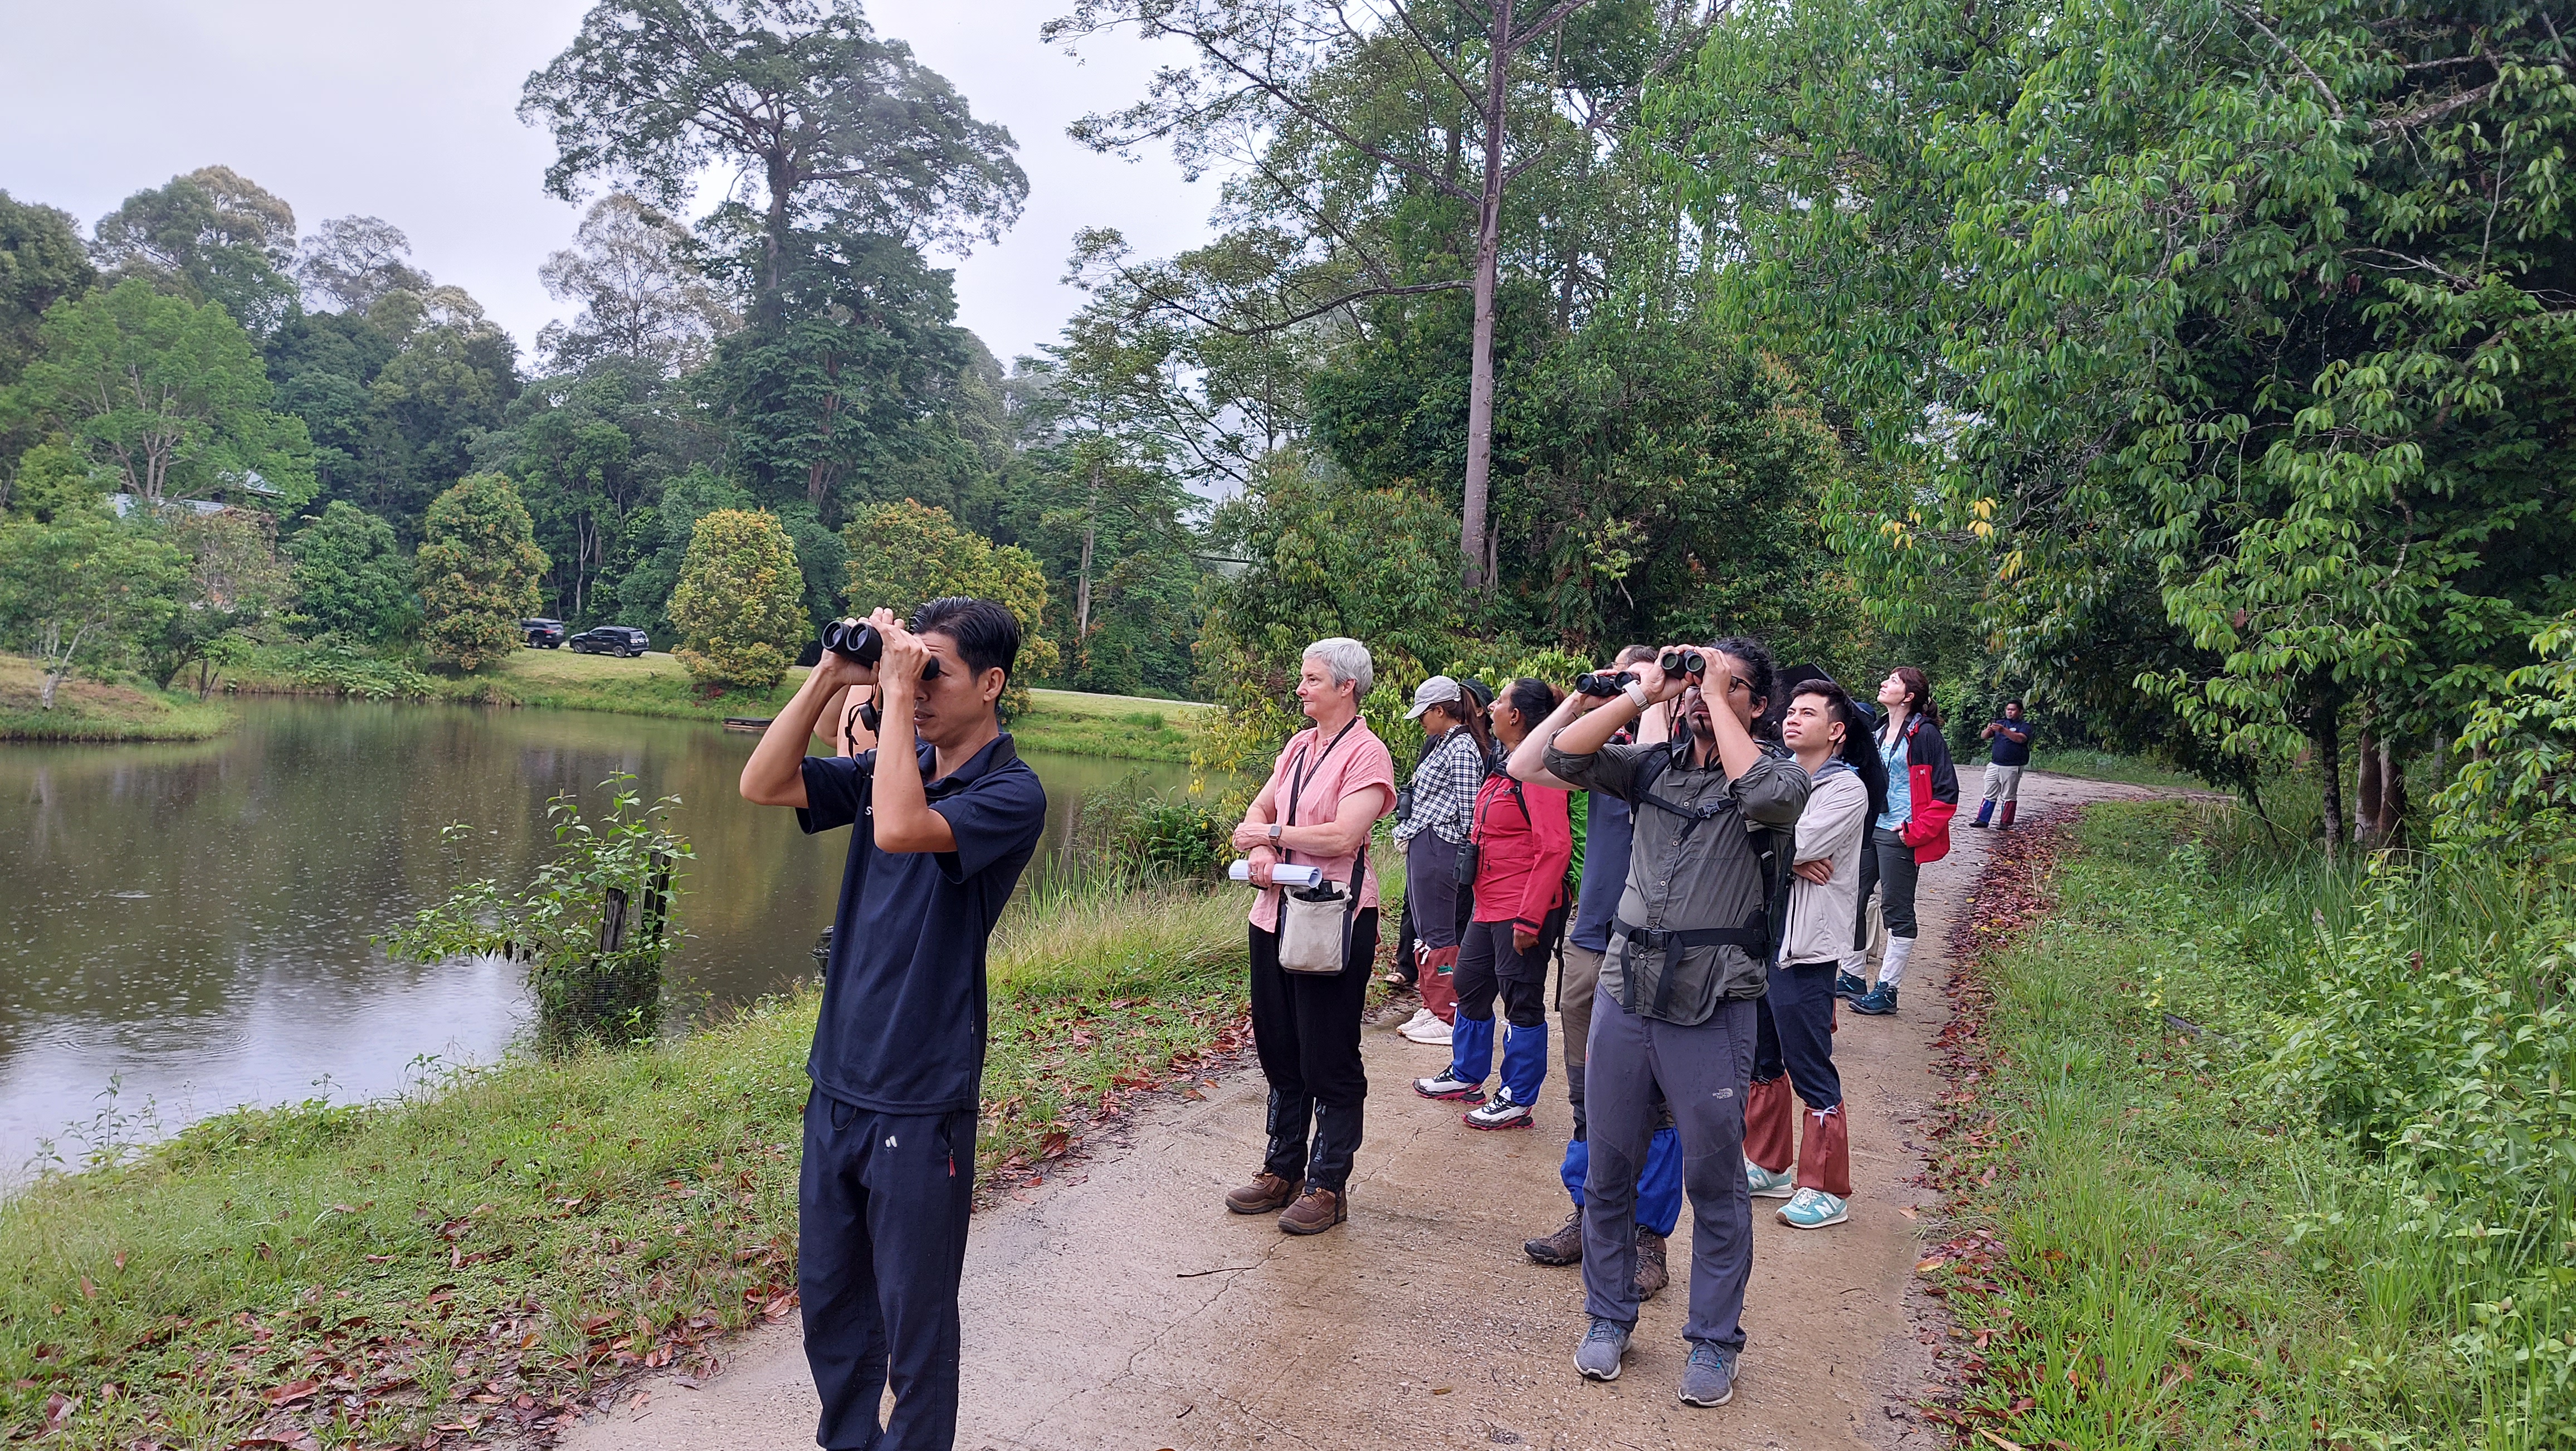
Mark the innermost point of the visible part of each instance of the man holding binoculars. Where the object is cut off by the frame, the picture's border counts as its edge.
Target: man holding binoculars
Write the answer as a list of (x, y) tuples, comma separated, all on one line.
[(898, 1057), (1674, 1008)]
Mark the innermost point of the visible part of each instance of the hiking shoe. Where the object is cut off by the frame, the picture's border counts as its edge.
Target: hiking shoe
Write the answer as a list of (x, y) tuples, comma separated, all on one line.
[(1565, 1247), (1499, 1113), (1651, 1273), (1597, 1358), (1766, 1185), (1709, 1379), (1447, 1084), (1813, 1209), (1266, 1192), (1427, 1030), (1848, 986), (1315, 1211), (1879, 1002)]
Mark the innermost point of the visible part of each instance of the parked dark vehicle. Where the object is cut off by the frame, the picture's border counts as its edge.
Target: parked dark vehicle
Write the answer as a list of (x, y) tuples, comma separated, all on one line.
[(612, 640), (543, 633)]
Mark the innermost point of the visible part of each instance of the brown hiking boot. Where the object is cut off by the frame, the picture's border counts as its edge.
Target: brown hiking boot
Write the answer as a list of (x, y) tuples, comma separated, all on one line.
[(1565, 1247), (1315, 1211), (1266, 1192), (1651, 1274)]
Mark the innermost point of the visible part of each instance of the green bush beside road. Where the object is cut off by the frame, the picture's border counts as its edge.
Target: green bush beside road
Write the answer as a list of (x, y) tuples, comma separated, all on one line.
[(2270, 1154)]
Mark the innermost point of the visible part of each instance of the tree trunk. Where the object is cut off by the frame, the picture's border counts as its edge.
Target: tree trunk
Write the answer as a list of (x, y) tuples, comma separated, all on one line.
[(1480, 384), (2365, 819), (2330, 770), (2391, 829), (1082, 587)]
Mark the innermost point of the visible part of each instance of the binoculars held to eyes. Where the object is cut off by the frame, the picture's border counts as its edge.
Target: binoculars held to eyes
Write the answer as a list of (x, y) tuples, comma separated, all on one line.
[(1601, 685), (1684, 662), (858, 640)]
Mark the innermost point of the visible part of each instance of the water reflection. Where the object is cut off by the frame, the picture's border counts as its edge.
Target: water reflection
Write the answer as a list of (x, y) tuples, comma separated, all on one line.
[(191, 921)]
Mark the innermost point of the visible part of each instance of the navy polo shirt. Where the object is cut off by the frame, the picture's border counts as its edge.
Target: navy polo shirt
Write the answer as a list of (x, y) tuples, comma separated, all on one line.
[(2009, 752), (1608, 831), (902, 1026)]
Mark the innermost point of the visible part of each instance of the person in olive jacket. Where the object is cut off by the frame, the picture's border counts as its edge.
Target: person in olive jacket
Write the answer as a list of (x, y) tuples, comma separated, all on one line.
[(1674, 1009)]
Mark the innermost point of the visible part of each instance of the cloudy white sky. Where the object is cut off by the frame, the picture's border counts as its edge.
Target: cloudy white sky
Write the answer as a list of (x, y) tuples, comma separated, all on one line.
[(408, 112)]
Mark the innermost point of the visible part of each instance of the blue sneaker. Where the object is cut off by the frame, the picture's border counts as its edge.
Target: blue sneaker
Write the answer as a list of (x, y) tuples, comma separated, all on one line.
[(1813, 1209), (1848, 986), (1709, 1379), (1598, 1356), (1767, 1185), (1880, 1002)]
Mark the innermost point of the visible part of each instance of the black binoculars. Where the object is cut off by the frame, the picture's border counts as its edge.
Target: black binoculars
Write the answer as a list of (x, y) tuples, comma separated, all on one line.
[(1602, 685), (858, 640), (1684, 662)]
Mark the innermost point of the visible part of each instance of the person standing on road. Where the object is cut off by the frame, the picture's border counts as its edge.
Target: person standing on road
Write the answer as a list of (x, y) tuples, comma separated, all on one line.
[(1442, 807), (1522, 845), (1332, 782), (1794, 1043), (1674, 1010), (1911, 833), (2011, 735), (1605, 870), (940, 837)]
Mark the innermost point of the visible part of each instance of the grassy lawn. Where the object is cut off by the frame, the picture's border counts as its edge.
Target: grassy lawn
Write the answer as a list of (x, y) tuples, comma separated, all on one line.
[(89, 710), (654, 684), (2153, 1247), (485, 1255), (2103, 766)]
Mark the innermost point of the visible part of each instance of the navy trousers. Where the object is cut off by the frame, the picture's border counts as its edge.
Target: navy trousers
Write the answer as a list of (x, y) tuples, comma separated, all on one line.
[(1704, 1072), (881, 1220), (1795, 1033)]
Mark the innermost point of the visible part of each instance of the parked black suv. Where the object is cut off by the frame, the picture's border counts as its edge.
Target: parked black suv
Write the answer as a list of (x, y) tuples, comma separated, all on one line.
[(547, 633), (612, 640)]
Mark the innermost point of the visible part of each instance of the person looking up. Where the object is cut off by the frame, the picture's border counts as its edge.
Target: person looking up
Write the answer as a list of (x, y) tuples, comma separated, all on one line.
[(1674, 1010), (1332, 782), (1605, 870), (1523, 843), (1794, 1034), (1911, 833), (2011, 736), (1443, 808), (944, 815)]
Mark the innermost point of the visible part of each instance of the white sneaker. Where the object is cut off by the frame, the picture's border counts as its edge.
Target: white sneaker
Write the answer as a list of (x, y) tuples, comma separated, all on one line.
[(1420, 1017), (1431, 1032)]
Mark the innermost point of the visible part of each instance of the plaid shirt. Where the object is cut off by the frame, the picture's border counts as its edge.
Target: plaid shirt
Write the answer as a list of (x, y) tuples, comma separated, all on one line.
[(1444, 789)]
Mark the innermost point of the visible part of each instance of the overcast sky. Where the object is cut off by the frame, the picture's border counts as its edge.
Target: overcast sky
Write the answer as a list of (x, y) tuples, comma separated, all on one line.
[(408, 112)]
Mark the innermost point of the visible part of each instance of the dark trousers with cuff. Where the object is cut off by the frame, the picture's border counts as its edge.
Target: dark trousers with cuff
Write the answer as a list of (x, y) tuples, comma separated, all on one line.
[(1888, 864), (881, 1206), (1489, 965), (1793, 1048), (1306, 1031), (1703, 1072)]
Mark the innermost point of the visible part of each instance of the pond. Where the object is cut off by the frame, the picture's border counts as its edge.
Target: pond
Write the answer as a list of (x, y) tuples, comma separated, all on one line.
[(184, 928)]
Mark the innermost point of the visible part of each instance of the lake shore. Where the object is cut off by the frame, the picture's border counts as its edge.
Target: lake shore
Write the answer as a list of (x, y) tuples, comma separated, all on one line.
[(90, 710), (655, 684), (476, 1256)]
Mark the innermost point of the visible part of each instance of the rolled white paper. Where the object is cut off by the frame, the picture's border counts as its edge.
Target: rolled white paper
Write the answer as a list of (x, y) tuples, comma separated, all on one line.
[(1285, 874)]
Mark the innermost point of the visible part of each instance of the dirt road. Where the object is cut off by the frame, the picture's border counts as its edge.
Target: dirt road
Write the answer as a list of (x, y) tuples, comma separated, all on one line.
[(1125, 1308)]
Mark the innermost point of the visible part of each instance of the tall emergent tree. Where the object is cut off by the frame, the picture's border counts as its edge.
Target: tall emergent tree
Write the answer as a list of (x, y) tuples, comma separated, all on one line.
[(1354, 128), (641, 297), (213, 235), (741, 601), (477, 571)]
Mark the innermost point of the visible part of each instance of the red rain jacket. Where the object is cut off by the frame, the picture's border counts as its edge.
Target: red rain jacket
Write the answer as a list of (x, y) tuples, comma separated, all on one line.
[(1525, 841)]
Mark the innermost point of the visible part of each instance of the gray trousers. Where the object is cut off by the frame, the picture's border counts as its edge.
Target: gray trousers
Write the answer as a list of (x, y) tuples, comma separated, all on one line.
[(1704, 1073)]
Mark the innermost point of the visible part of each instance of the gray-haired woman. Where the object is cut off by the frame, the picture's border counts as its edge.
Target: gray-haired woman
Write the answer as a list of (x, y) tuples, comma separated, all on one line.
[(1331, 784)]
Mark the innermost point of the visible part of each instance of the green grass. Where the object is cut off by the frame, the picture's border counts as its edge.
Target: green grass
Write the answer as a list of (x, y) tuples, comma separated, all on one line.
[(2170, 1255), (1108, 725), (365, 1274), (1064, 721), (2092, 765), (91, 710)]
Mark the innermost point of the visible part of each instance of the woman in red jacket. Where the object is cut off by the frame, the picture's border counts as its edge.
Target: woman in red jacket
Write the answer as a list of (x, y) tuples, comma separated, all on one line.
[(1523, 843)]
